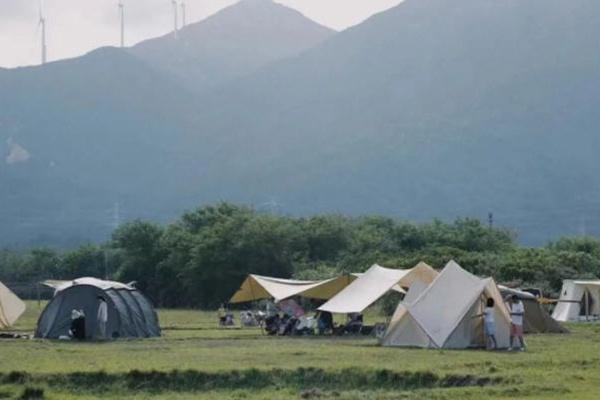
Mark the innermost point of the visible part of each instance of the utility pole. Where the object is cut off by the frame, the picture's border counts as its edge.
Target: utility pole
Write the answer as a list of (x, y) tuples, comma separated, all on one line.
[(116, 215)]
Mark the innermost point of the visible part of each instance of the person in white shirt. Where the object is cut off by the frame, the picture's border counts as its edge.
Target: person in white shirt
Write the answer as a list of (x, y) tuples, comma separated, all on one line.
[(517, 310), (102, 318), (489, 324)]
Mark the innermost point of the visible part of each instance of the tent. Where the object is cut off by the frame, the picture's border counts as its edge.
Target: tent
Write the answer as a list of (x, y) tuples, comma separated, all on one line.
[(445, 314), (11, 307), (579, 300), (375, 283), (536, 318), (257, 287), (130, 313)]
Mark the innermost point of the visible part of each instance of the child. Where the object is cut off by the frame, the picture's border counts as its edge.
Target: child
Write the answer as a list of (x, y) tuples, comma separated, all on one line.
[(489, 324)]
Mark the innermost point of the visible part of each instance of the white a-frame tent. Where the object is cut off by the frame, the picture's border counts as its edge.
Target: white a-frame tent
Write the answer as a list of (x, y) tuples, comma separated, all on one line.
[(11, 307), (579, 300), (447, 314)]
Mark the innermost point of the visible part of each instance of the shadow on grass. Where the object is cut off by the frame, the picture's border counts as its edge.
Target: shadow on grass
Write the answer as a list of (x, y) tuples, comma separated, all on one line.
[(253, 379)]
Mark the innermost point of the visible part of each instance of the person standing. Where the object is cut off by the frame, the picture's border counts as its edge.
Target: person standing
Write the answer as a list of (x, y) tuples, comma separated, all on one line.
[(517, 310), (102, 318), (489, 323)]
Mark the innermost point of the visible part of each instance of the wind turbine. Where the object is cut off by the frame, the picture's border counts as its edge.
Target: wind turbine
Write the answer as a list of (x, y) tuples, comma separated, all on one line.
[(42, 24), (174, 3), (122, 17), (183, 14)]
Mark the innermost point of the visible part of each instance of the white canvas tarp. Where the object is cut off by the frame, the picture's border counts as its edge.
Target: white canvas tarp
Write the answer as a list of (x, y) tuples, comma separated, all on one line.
[(11, 307), (446, 314), (257, 287), (375, 283)]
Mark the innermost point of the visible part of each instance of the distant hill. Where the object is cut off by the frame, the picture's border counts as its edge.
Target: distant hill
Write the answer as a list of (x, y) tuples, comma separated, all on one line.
[(236, 41), (436, 108), (105, 132), (92, 129)]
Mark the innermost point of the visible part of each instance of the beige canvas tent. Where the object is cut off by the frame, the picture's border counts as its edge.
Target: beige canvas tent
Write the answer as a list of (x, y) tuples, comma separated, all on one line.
[(579, 301), (375, 283), (257, 287), (445, 314), (536, 318), (11, 307)]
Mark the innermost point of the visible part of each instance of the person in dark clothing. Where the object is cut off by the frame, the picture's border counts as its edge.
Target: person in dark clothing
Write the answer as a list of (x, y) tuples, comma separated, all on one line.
[(77, 330), (324, 322)]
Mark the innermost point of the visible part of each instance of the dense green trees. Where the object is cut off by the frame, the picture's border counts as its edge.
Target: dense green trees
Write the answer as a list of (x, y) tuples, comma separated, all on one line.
[(201, 259)]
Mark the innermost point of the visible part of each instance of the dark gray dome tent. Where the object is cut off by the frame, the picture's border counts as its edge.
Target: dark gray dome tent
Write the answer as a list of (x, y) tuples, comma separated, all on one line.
[(130, 313)]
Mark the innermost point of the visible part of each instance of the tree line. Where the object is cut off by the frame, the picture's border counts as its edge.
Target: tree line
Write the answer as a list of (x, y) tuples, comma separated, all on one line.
[(202, 258)]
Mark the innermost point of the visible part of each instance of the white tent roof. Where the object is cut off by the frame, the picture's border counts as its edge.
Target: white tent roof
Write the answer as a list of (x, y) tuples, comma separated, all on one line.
[(373, 284), (587, 283), (257, 287), (11, 307), (99, 283)]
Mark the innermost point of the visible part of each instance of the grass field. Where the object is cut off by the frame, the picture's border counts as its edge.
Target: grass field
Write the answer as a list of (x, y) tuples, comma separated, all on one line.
[(195, 360)]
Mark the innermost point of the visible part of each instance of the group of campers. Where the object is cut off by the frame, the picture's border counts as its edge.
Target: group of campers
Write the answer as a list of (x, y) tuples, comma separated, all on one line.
[(517, 312), (451, 308)]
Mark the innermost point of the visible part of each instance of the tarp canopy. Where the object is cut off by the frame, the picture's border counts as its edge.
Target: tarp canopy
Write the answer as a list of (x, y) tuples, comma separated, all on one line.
[(257, 287), (536, 318), (11, 307), (572, 306), (445, 315), (374, 284)]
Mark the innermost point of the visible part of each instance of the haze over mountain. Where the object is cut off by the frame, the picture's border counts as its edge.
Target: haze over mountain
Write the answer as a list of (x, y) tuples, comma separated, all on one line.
[(436, 108), (105, 131), (234, 42)]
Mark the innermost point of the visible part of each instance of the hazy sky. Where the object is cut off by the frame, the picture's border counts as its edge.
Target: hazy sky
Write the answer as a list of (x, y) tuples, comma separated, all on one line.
[(78, 26)]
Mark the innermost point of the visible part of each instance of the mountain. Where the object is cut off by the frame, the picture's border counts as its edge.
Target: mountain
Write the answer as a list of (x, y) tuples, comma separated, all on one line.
[(236, 41), (436, 108), (77, 136), (92, 140)]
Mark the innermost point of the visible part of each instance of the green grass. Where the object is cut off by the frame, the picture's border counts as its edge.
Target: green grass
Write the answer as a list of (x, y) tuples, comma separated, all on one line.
[(196, 360)]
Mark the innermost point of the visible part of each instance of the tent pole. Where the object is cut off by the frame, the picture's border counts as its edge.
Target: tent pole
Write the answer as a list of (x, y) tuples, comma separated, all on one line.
[(587, 306)]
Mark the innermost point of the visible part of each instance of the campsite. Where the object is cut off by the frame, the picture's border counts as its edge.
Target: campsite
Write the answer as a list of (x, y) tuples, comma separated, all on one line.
[(299, 200), (224, 364), (433, 346)]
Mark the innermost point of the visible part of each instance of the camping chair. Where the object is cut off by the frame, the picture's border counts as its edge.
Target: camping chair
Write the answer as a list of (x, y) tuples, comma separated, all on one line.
[(355, 325)]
